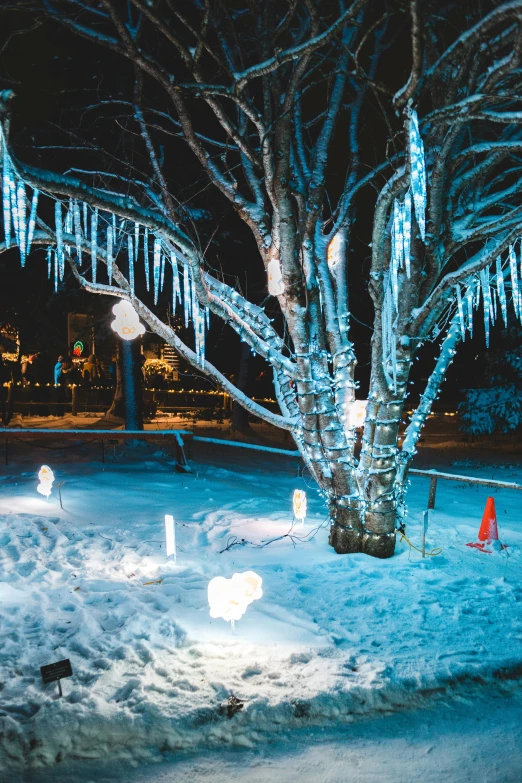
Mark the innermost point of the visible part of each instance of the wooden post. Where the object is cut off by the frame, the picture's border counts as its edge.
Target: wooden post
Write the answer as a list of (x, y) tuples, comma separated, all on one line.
[(74, 400), (432, 492), (182, 465)]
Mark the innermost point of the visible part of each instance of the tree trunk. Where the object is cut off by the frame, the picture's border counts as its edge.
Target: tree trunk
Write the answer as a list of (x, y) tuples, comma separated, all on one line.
[(127, 402), (373, 534), (240, 415), (366, 522), (118, 406), (132, 385)]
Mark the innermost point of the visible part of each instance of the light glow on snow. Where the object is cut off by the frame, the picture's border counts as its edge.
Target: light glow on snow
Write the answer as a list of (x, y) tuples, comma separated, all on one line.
[(46, 478), (127, 323), (229, 598)]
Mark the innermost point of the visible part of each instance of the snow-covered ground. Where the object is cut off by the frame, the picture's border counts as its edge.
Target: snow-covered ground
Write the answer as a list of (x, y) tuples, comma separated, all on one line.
[(333, 639), (467, 739)]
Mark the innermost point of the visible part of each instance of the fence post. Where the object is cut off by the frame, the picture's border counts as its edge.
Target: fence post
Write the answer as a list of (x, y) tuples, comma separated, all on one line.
[(74, 400), (432, 492), (8, 410)]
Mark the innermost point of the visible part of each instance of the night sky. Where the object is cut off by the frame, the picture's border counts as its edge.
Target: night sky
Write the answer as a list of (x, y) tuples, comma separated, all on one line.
[(55, 76)]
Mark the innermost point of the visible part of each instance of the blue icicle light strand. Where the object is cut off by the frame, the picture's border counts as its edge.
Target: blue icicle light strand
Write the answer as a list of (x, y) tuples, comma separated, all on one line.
[(22, 220), (109, 251), (461, 312), (77, 231), (501, 290), (6, 196), (156, 267), (136, 241), (146, 257), (514, 280), (94, 243), (131, 263), (406, 227), (32, 221), (417, 172), (59, 233)]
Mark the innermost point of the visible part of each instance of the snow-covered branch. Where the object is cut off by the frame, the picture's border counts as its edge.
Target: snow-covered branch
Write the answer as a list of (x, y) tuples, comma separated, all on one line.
[(435, 381)]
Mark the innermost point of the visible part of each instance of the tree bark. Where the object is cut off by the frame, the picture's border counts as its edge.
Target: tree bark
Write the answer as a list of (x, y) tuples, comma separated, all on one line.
[(132, 385), (239, 414), (118, 406)]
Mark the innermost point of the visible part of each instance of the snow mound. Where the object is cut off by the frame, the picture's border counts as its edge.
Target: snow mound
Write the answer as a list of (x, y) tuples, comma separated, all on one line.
[(332, 638)]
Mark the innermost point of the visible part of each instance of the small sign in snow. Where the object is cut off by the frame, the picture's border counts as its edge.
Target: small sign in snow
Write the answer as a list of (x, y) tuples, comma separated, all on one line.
[(54, 672)]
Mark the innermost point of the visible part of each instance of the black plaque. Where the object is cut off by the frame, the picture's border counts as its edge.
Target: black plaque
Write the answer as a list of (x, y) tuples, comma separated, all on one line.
[(56, 671)]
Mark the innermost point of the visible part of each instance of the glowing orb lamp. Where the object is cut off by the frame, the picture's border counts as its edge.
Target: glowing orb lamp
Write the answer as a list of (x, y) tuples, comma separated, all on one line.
[(46, 478), (276, 285), (127, 323), (229, 598), (299, 501), (357, 413)]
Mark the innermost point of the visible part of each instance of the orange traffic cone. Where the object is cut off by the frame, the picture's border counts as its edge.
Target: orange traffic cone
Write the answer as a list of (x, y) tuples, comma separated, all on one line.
[(488, 531)]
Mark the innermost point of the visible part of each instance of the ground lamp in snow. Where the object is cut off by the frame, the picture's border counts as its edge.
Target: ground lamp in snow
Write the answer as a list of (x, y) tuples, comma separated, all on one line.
[(170, 536), (127, 323), (299, 501), (46, 478), (229, 598)]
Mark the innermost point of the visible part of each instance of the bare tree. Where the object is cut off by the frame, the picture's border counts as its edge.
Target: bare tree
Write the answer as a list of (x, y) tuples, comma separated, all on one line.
[(264, 93)]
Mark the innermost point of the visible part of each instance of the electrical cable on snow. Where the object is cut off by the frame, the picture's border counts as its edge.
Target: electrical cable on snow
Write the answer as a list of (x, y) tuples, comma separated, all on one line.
[(434, 552), (235, 541)]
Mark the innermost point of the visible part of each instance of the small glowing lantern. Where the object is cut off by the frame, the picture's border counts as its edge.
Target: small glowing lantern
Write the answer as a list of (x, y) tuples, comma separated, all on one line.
[(335, 250), (46, 478), (170, 536), (127, 323), (357, 413), (229, 598), (276, 285), (299, 500)]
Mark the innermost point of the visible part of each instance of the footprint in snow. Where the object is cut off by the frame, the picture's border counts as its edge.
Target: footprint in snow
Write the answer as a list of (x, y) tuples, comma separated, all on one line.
[(123, 693), (251, 671), (26, 569)]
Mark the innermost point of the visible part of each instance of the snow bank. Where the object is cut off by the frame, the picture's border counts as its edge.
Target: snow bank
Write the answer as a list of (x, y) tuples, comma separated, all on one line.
[(333, 638)]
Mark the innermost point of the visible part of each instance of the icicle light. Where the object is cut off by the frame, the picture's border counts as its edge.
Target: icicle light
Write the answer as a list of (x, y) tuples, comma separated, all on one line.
[(417, 172)]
